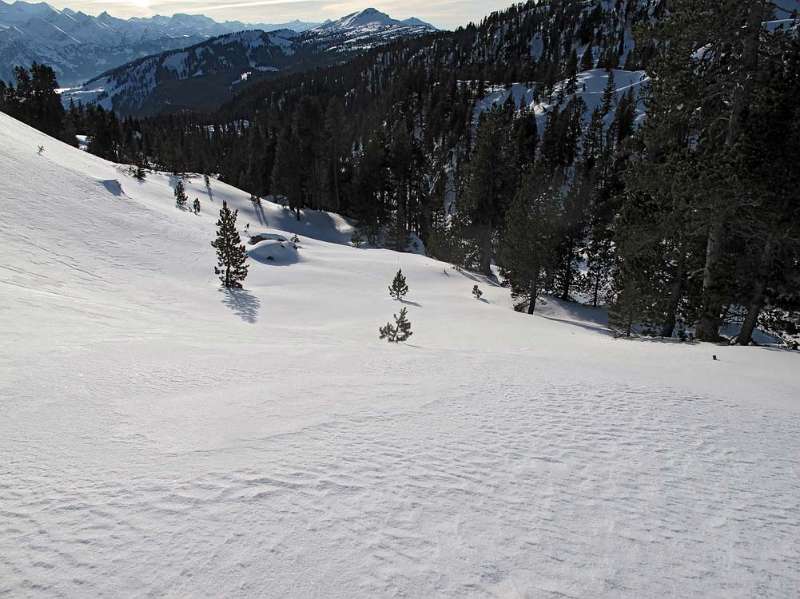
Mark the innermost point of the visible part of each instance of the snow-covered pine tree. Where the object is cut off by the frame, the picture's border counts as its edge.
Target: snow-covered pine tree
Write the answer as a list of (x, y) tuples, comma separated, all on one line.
[(399, 287), (231, 254), (180, 195), (399, 331)]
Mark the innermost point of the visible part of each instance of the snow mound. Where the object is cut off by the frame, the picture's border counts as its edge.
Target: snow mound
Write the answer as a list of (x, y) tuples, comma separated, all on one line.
[(276, 252)]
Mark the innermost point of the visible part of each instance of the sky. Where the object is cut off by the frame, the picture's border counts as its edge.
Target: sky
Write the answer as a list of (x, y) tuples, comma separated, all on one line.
[(445, 14)]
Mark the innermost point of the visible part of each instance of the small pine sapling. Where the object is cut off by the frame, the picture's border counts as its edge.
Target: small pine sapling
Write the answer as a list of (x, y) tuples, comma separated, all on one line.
[(40, 150), (196, 206), (180, 195), (398, 288), (398, 332), (476, 291), (139, 173)]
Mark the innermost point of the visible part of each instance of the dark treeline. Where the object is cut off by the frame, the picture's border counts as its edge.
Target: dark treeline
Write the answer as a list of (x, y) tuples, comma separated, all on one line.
[(689, 220), (32, 99)]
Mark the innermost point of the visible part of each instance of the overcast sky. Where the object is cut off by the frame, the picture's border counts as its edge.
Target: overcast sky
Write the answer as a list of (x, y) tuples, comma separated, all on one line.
[(442, 13)]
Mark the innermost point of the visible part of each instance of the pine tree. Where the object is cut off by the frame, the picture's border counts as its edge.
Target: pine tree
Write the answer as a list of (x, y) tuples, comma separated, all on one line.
[(398, 287), (609, 95), (529, 240), (488, 190), (139, 173), (180, 195), (476, 291), (357, 239), (398, 332), (231, 254), (572, 73), (196, 206), (587, 60)]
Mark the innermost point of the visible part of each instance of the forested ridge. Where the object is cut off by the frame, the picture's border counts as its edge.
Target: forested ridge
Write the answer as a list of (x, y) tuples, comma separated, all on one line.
[(681, 221)]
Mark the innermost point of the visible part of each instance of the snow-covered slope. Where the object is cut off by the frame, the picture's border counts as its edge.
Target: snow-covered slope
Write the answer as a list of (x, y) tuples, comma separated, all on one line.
[(590, 88), (160, 436)]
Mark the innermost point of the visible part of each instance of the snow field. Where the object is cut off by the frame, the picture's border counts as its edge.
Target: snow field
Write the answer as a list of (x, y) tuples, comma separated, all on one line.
[(159, 436)]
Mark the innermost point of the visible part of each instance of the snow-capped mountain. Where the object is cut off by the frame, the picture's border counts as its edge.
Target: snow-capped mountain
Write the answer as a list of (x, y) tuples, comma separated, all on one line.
[(370, 18), (80, 46), (363, 30), (169, 81)]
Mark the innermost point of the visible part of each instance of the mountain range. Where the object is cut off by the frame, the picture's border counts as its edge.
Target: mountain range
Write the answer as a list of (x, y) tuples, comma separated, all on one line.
[(80, 46), (205, 75)]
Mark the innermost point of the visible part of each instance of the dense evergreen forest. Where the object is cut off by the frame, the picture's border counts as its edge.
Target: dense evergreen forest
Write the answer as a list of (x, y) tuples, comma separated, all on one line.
[(685, 220)]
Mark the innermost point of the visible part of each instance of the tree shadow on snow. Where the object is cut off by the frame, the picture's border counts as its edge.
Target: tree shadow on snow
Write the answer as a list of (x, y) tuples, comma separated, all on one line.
[(477, 278), (242, 303), (597, 328), (410, 303)]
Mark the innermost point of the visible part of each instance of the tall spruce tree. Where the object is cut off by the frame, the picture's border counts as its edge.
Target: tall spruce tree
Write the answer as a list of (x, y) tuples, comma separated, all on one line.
[(488, 192), (231, 254), (529, 240)]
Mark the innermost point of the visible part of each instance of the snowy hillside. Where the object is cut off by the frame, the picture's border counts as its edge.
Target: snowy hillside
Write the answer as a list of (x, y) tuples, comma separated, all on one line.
[(160, 436), (590, 87), (215, 67)]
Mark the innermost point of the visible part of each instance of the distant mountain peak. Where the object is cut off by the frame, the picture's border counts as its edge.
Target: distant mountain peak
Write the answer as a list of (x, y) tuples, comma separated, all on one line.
[(371, 17)]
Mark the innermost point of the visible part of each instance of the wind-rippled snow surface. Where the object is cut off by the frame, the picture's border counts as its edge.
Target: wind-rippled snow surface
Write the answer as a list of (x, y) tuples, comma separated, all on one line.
[(532, 491)]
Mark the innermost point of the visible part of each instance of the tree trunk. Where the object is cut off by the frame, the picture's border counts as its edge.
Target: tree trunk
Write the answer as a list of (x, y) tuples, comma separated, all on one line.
[(567, 275), (676, 292), (534, 293), (337, 200), (485, 245), (708, 326), (596, 290), (757, 301)]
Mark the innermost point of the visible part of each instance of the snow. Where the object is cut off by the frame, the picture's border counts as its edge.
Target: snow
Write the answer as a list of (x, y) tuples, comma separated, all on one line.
[(160, 436), (591, 85)]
